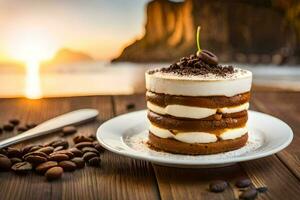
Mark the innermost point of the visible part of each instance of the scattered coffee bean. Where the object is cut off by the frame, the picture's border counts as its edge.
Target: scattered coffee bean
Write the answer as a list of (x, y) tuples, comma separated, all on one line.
[(64, 151), (8, 127), (46, 150), (63, 143), (80, 163), (35, 159), (92, 136), (81, 138), (14, 122), (35, 148), (27, 149), (89, 149), (54, 173), (243, 182), (68, 130), (83, 144), (22, 167), (3, 151), (22, 128), (5, 163), (46, 144), (249, 194), (88, 155), (31, 125), (58, 148), (262, 189), (43, 167), (98, 146), (130, 106), (58, 157), (15, 160), (76, 152), (218, 186), (95, 162), (67, 165), (35, 153), (13, 152)]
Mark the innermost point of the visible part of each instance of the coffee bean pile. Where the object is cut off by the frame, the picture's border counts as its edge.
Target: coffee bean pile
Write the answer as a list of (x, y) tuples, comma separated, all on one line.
[(53, 158), (15, 124), (248, 191)]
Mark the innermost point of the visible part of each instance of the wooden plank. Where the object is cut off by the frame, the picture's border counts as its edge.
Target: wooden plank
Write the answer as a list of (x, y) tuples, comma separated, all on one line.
[(117, 178), (271, 172), (192, 183), (285, 106), (176, 183)]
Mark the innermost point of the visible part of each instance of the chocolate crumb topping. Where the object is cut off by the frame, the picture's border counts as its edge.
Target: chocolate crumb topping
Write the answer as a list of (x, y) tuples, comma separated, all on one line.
[(195, 66)]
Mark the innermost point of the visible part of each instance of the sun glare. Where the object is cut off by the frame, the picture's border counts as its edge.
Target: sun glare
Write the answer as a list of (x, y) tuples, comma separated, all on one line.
[(32, 46), (33, 88)]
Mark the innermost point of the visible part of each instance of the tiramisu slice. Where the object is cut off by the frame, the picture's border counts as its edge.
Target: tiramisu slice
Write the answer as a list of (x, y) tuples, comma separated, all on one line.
[(197, 106)]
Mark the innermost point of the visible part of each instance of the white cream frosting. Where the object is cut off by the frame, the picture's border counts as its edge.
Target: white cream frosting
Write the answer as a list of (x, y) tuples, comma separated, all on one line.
[(202, 85), (198, 137), (193, 112)]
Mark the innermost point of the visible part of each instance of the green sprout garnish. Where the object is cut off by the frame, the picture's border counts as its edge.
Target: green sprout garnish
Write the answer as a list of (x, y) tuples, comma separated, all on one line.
[(198, 39)]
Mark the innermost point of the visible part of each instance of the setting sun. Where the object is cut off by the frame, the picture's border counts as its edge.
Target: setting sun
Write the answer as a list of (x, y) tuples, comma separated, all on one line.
[(32, 46)]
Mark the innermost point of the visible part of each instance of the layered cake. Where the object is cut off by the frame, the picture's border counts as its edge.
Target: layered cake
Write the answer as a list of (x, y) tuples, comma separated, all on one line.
[(197, 106)]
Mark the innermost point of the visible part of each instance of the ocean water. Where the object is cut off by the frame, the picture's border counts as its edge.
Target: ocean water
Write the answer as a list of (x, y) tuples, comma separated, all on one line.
[(80, 79), (104, 78)]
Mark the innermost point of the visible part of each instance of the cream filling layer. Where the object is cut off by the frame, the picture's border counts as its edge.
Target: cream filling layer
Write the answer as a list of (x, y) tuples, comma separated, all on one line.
[(198, 137), (193, 112), (230, 134)]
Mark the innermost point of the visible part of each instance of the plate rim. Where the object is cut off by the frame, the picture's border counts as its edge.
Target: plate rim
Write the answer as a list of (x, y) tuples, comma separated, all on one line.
[(158, 160)]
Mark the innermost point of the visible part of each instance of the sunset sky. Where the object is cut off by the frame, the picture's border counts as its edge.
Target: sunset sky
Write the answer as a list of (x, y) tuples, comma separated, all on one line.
[(99, 27)]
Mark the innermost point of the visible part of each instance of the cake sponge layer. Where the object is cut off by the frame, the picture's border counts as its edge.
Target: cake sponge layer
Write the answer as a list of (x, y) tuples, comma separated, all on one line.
[(174, 146)]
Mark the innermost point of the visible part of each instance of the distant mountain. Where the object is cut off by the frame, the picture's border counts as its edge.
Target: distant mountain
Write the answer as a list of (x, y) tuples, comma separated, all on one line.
[(11, 63), (67, 56), (245, 30)]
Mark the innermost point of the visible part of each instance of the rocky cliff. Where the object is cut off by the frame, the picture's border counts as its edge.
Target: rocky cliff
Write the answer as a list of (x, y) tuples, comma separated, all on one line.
[(245, 30)]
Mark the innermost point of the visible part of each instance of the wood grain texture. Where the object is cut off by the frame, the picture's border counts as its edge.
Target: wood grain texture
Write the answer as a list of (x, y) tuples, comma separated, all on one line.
[(125, 178), (285, 106), (271, 171), (118, 178)]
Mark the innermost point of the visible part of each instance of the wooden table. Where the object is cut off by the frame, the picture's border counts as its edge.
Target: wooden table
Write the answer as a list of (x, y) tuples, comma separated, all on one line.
[(126, 178)]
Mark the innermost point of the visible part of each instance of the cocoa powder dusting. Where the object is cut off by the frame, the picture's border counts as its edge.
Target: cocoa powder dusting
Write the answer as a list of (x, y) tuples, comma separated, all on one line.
[(194, 66)]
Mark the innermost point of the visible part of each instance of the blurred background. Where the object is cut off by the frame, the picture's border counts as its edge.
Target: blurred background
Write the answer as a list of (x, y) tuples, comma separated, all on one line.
[(58, 48)]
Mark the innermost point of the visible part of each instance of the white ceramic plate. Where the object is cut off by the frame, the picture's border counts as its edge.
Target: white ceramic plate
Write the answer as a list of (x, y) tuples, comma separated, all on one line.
[(127, 135)]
